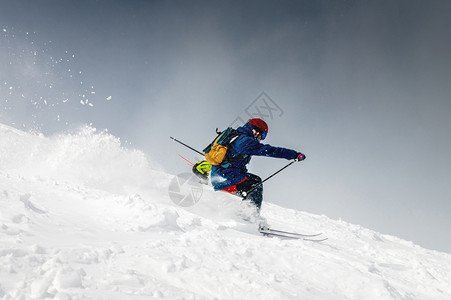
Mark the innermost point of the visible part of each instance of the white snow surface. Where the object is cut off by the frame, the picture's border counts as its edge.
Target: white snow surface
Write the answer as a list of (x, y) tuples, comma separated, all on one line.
[(82, 217)]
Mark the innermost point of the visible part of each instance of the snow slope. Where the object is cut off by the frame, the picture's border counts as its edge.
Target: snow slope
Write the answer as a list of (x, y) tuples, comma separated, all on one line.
[(81, 217)]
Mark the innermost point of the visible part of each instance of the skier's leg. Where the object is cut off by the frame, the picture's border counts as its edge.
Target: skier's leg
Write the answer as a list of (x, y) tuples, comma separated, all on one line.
[(253, 200), (256, 196)]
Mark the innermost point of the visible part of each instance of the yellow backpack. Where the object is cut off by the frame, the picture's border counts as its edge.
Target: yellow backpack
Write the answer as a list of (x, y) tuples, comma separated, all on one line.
[(216, 152)]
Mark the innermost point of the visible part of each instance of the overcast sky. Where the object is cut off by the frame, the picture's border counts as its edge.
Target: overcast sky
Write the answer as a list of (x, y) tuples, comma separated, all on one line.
[(361, 87)]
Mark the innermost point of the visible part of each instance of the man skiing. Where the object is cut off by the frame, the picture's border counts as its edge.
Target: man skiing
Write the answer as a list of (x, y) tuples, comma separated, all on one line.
[(232, 176)]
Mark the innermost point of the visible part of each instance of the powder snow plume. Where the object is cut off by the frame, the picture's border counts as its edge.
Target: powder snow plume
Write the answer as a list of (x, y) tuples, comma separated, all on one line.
[(83, 217), (85, 156)]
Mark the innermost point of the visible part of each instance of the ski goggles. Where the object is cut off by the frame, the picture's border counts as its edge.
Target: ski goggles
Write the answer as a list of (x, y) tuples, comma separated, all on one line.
[(261, 135)]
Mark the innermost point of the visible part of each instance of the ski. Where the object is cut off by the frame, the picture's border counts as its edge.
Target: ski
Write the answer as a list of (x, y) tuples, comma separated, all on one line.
[(293, 237), (303, 235), (269, 234)]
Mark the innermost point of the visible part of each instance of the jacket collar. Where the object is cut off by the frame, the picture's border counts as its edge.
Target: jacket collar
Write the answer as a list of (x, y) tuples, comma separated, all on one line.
[(246, 129)]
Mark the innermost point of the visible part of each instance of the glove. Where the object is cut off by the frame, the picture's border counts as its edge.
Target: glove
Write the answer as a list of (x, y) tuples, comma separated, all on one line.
[(201, 169), (299, 157)]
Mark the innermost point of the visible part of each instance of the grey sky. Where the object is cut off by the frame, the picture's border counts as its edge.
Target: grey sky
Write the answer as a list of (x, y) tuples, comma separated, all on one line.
[(364, 87)]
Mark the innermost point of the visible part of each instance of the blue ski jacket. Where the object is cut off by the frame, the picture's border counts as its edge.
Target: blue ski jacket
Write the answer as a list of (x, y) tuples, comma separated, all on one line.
[(239, 155)]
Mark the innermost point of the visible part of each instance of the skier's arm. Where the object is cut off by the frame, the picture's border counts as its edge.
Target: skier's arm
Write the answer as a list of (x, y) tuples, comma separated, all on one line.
[(256, 148)]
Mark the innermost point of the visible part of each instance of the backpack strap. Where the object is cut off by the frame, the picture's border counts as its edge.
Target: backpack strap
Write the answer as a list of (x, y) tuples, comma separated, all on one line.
[(227, 160)]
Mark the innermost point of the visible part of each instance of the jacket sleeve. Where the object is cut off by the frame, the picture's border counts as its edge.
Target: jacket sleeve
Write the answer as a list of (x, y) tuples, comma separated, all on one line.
[(253, 147)]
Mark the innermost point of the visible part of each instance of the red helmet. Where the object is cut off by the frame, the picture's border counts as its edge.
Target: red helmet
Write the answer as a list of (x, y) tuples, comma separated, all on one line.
[(259, 123)]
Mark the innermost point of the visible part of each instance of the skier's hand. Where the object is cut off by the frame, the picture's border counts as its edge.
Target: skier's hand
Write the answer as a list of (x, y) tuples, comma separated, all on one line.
[(203, 167), (299, 157)]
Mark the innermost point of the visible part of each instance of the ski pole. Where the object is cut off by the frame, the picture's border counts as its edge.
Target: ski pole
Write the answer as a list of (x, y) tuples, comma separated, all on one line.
[(244, 194), (176, 140), (187, 161)]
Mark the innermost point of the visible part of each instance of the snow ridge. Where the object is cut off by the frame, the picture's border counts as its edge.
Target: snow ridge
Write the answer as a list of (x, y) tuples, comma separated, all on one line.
[(82, 217)]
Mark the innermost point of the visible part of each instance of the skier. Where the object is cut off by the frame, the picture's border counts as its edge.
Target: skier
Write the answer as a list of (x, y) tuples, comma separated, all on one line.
[(233, 176)]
